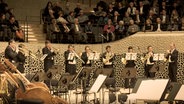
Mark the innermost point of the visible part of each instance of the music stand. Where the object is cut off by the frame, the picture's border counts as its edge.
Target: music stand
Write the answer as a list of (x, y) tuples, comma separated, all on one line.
[(158, 57), (129, 72), (95, 88), (84, 75), (155, 88), (106, 71), (38, 77), (65, 79)]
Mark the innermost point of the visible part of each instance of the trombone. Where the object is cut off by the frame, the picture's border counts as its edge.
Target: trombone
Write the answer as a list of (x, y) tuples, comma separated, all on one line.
[(55, 50), (27, 52)]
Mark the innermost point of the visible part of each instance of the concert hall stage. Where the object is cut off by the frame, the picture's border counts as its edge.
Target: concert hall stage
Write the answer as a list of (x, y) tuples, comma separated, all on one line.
[(160, 42)]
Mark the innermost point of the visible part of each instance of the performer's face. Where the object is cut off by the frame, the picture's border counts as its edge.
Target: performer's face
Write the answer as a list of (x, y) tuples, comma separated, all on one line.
[(87, 50), (150, 49), (70, 48), (130, 50), (172, 46), (108, 49)]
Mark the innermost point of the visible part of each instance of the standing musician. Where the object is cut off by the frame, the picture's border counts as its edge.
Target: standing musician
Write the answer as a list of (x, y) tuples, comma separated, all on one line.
[(21, 57), (84, 57), (70, 60), (108, 58), (172, 57), (129, 82), (49, 52), (10, 52), (148, 61)]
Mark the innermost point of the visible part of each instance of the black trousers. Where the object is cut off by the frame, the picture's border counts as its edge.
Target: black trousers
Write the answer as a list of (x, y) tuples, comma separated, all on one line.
[(71, 68), (173, 72)]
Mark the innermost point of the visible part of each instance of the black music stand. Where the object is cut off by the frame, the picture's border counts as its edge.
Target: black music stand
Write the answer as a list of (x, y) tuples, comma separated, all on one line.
[(64, 84), (85, 73), (38, 77), (129, 72), (106, 71), (154, 68)]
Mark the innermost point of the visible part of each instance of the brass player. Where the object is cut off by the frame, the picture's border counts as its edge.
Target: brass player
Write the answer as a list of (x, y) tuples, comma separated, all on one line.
[(108, 59), (149, 62), (129, 82)]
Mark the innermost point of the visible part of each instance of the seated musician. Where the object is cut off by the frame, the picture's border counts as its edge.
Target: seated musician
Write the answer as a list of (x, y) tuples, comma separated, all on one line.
[(148, 61), (129, 82), (108, 58), (70, 60)]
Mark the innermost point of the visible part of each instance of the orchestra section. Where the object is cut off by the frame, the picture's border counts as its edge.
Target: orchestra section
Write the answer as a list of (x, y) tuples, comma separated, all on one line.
[(157, 55)]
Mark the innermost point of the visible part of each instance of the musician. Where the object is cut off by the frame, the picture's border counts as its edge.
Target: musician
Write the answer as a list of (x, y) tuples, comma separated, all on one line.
[(21, 57), (70, 60), (10, 52), (149, 63), (49, 60), (108, 58), (129, 82), (84, 57), (172, 57)]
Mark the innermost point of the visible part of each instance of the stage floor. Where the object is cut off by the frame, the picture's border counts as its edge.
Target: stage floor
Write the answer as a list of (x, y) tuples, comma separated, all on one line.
[(78, 98)]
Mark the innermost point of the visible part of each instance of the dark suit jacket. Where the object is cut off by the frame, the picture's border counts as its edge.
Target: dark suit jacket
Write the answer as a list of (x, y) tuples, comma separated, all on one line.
[(49, 60), (10, 54), (21, 60), (84, 57), (162, 27), (73, 28), (174, 56)]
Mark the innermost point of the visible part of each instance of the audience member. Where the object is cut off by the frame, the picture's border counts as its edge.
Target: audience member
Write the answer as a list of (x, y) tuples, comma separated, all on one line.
[(78, 34), (77, 9), (133, 28), (70, 18), (109, 31), (82, 17), (89, 31), (120, 30), (148, 27), (16, 31)]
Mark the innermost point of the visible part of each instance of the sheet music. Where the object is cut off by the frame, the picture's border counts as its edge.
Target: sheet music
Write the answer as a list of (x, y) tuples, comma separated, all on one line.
[(70, 56), (158, 57), (98, 83), (43, 57), (155, 57), (131, 56), (161, 57), (94, 56)]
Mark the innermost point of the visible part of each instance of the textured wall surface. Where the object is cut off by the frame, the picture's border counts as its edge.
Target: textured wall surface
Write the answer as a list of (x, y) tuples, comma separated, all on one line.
[(159, 40)]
